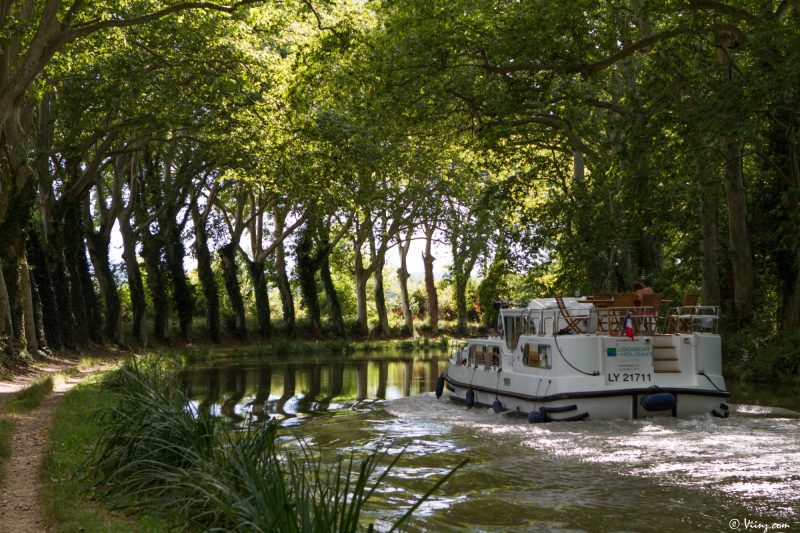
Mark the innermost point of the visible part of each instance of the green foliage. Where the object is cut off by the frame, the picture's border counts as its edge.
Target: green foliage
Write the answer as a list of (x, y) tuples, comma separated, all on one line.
[(754, 355), (492, 288), (418, 299)]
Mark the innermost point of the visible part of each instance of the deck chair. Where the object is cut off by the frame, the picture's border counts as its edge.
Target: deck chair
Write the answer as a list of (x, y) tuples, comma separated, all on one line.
[(679, 317), (574, 322), (624, 303), (651, 304), (601, 303)]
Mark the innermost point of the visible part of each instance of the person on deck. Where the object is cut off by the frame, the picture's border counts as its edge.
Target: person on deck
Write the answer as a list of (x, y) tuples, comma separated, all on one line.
[(640, 289)]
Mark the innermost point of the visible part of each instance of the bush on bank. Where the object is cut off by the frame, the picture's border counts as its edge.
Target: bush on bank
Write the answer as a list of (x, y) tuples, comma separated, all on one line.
[(761, 356), (154, 455)]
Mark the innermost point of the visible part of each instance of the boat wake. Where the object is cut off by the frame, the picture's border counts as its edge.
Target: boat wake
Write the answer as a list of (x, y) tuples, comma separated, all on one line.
[(753, 456)]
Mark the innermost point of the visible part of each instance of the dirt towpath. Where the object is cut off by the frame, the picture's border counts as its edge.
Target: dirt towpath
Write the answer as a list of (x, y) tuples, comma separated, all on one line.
[(20, 476)]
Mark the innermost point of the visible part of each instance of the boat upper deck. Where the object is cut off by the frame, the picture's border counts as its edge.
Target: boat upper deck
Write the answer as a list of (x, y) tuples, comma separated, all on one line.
[(609, 315)]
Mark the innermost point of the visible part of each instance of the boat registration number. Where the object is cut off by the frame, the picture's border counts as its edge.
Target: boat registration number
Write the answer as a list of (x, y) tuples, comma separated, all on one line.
[(629, 377)]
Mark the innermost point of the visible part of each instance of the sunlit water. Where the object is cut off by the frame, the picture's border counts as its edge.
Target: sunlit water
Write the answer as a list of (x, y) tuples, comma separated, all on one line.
[(661, 474)]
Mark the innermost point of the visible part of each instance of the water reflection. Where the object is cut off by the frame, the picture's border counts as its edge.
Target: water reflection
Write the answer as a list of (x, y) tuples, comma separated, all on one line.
[(290, 390)]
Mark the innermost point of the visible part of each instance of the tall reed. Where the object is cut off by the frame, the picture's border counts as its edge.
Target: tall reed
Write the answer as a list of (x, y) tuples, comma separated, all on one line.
[(157, 454)]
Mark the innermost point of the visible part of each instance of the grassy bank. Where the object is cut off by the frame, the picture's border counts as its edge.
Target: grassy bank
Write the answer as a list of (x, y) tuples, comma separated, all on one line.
[(172, 468), (69, 498), (309, 348)]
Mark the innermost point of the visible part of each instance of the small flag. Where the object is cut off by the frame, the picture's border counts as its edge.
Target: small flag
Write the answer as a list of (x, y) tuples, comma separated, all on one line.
[(629, 326)]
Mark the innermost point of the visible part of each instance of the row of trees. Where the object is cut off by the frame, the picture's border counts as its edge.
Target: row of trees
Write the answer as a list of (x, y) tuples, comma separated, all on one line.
[(570, 145)]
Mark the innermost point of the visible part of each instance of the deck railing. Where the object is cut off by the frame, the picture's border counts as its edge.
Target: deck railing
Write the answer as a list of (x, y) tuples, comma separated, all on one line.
[(646, 321)]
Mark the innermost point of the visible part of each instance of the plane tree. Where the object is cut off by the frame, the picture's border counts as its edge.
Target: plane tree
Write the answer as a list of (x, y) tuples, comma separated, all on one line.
[(33, 33)]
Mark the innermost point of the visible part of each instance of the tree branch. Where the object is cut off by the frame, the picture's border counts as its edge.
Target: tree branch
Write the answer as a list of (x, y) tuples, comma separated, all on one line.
[(91, 27), (317, 16), (719, 7), (587, 69)]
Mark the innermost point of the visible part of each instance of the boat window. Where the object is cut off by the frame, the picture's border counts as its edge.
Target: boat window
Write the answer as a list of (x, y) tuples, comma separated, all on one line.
[(545, 361), (513, 327), (462, 359), (530, 355), (476, 354), (482, 355), (536, 356), (530, 326)]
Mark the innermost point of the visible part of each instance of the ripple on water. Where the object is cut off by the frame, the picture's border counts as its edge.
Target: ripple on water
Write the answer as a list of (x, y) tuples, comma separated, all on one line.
[(754, 459)]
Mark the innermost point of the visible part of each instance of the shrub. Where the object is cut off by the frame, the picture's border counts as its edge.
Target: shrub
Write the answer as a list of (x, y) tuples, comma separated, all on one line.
[(754, 355)]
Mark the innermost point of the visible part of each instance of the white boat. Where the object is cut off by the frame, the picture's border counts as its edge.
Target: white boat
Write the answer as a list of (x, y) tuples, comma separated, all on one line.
[(571, 359)]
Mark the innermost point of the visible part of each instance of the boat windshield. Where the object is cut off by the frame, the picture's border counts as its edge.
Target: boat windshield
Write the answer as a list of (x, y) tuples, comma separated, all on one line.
[(513, 326)]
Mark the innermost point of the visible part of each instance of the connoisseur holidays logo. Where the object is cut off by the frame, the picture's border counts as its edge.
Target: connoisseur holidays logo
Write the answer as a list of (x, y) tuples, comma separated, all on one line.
[(755, 525)]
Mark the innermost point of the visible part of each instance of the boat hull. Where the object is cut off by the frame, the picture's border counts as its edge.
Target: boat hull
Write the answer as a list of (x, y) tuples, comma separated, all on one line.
[(591, 376), (597, 404)]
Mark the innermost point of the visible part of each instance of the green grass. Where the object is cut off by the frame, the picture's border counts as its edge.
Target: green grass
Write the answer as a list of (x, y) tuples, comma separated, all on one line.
[(6, 430), (32, 396), (69, 498)]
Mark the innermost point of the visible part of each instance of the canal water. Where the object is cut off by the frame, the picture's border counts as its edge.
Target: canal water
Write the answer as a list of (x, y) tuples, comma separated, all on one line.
[(662, 474)]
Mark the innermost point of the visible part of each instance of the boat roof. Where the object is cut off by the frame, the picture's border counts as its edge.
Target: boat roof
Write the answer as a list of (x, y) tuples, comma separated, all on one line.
[(541, 304), (550, 303)]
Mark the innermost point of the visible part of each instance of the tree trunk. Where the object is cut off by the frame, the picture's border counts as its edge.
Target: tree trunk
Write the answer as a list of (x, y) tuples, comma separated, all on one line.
[(181, 289), (257, 277), (238, 325), (379, 294), (62, 283), (38, 317), (738, 233), (7, 344), (402, 278), (432, 300), (98, 245), (11, 305), (36, 302), (72, 258), (79, 265), (12, 256), (281, 278), (709, 205), (334, 307), (29, 319), (362, 320), (461, 303), (285, 290), (306, 272), (206, 273), (784, 148), (47, 296), (16, 204), (380, 302), (135, 282), (151, 253)]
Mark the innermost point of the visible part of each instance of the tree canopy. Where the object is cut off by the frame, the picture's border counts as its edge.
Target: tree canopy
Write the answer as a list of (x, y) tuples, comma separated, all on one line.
[(553, 147)]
